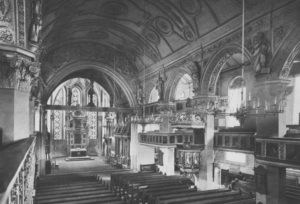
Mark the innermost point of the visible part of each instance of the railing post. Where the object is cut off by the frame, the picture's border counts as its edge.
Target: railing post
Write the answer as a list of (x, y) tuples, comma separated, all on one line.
[(23, 185)]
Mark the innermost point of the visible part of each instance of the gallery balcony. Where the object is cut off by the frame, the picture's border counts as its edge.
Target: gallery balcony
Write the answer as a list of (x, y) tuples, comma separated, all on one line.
[(169, 139), (17, 175), (278, 151), (236, 141)]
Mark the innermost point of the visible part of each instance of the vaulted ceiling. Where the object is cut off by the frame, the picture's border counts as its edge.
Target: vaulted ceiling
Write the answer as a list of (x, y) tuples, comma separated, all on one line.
[(141, 31)]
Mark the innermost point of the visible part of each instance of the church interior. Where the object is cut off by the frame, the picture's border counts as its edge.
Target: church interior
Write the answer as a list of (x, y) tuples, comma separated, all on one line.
[(150, 101)]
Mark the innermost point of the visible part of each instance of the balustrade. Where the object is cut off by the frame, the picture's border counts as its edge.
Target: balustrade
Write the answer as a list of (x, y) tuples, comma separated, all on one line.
[(20, 188), (234, 140), (278, 150), (166, 138)]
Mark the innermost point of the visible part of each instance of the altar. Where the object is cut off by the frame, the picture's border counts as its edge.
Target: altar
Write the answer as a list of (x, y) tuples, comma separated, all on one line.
[(77, 135)]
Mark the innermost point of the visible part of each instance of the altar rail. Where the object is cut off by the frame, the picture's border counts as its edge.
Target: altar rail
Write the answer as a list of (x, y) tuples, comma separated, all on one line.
[(166, 138), (242, 141), (17, 164), (278, 150)]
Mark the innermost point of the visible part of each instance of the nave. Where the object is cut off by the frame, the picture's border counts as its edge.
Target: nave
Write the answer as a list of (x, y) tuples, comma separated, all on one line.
[(150, 101), (124, 187)]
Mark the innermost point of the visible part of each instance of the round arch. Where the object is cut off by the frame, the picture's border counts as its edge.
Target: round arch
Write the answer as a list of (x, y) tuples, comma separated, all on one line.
[(70, 68), (216, 64), (282, 62)]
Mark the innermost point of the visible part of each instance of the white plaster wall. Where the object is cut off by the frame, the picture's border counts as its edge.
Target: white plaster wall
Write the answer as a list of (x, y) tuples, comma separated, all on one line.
[(21, 115), (145, 155), (7, 114), (168, 161)]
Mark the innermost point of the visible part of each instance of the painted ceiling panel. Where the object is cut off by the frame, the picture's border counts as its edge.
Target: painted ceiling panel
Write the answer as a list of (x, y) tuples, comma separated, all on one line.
[(142, 31)]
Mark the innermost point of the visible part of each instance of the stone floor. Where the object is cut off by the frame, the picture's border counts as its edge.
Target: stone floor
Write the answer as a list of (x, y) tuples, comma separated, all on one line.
[(97, 164)]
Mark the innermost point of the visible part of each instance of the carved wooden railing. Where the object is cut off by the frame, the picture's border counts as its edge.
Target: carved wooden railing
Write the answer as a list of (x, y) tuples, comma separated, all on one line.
[(278, 150), (157, 138), (242, 141), (18, 186)]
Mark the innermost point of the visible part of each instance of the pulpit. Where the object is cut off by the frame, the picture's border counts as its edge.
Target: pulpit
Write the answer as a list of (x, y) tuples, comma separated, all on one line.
[(77, 134)]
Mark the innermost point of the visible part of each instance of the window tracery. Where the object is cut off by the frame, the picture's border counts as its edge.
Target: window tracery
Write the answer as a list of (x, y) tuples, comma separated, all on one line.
[(76, 96), (184, 88), (154, 96), (58, 116)]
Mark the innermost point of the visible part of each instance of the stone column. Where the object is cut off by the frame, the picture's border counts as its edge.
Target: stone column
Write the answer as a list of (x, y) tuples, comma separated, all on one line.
[(15, 106), (276, 177), (41, 144), (134, 142), (206, 160), (168, 166), (145, 155), (14, 118), (274, 182)]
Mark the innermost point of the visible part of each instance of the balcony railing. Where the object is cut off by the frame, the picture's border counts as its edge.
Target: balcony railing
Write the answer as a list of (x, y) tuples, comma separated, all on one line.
[(17, 164), (278, 150), (242, 141), (166, 138)]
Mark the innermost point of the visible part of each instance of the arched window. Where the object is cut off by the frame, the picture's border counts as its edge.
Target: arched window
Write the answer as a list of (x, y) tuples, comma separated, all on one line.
[(154, 96), (76, 96), (236, 99), (184, 88)]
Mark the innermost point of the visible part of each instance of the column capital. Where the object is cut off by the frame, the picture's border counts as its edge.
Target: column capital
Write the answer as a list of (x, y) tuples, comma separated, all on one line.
[(19, 72)]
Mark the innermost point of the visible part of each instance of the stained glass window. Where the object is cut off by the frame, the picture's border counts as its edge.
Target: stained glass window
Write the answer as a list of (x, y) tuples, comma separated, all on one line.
[(58, 116), (76, 96), (92, 123)]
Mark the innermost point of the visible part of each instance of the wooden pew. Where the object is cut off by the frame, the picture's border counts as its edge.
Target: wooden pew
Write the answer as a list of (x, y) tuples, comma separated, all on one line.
[(219, 200), (136, 190), (200, 197), (151, 196), (132, 186), (148, 168), (163, 197)]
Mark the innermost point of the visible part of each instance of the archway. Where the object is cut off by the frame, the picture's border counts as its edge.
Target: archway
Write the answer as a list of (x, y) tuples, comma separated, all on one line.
[(79, 68), (217, 63)]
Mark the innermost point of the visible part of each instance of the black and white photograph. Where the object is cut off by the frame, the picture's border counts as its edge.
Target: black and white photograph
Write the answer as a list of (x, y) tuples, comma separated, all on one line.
[(149, 101)]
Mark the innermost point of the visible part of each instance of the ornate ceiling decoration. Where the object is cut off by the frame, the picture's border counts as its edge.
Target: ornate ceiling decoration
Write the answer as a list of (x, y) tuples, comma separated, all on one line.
[(144, 31)]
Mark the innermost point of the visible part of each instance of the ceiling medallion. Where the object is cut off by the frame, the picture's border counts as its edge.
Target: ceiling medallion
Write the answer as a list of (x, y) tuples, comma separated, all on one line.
[(114, 8), (164, 25), (189, 34), (191, 7), (152, 36)]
